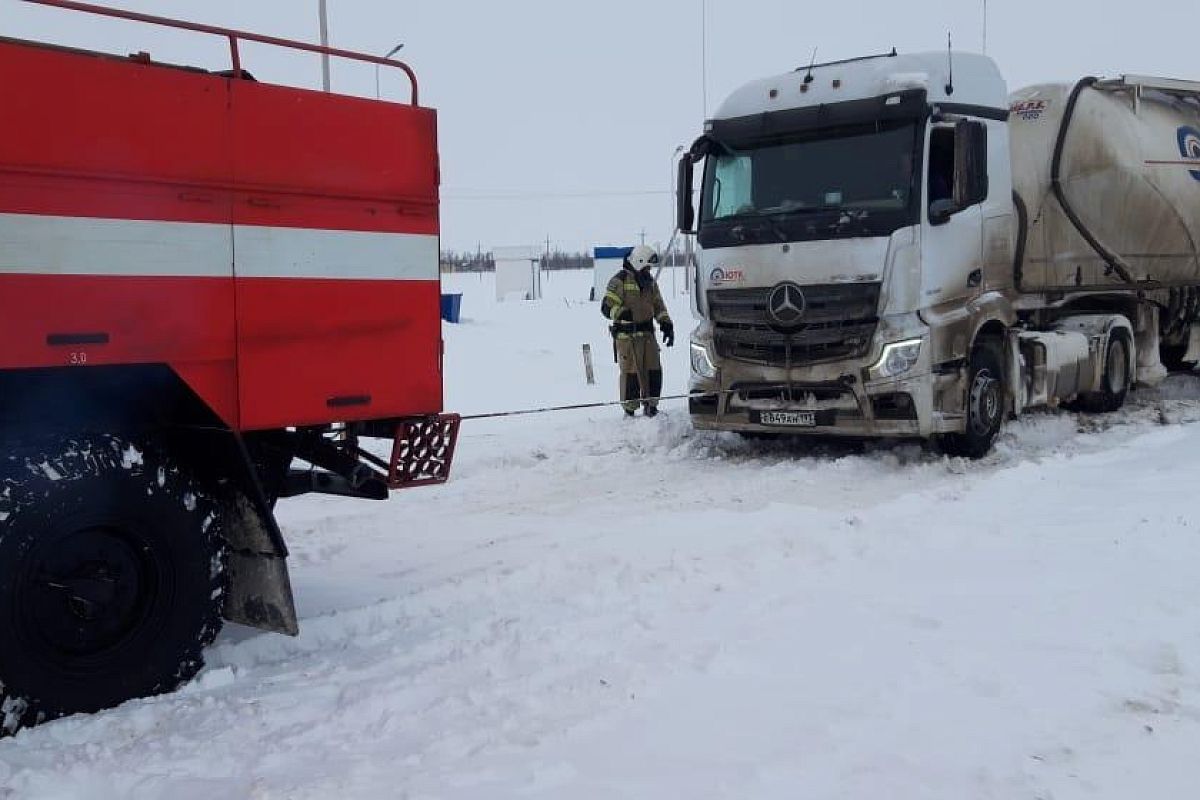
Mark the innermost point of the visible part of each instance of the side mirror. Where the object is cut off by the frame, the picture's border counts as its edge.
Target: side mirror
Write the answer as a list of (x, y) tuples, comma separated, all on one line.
[(940, 211), (685, 212), (970, 164)]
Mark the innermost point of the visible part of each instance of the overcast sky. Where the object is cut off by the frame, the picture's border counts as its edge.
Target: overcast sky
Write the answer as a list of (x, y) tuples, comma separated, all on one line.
[(559, 119)]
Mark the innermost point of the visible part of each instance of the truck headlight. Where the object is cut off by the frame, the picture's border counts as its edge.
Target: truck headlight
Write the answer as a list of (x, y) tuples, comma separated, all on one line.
[(897, 359), (702, 363)]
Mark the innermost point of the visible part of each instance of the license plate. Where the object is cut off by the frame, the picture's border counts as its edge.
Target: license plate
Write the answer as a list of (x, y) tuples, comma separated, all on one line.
[(788, 419)]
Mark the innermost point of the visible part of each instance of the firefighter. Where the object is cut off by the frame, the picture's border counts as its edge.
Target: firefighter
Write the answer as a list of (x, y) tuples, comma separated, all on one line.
[(634, 303)]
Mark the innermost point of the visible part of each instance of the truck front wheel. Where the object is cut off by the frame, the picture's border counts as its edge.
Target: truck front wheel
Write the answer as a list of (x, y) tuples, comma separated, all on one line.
[(112, 575), (985, 404)]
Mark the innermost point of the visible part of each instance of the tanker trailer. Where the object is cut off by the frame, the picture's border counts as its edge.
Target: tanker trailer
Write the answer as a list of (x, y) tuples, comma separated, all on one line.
[(1106, 178), (891, 246)]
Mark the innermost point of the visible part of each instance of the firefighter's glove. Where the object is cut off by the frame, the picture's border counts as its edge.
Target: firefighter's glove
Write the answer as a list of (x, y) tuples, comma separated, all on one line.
[(668, 333), (625, 316)]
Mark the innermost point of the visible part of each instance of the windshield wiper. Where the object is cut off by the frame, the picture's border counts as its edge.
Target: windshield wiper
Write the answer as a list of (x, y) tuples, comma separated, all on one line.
[(772, 223), (849, 217), (809, 210), (776, 228)]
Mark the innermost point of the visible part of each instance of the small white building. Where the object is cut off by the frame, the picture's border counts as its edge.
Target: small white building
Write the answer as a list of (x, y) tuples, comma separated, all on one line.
[(606, 263), (518, 273)]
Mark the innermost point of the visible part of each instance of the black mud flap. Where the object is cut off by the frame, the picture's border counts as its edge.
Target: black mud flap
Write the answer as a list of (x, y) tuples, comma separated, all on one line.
[(260, 590)]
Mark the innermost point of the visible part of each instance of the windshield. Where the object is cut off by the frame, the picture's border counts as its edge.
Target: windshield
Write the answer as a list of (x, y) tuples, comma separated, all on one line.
[(861, 171)]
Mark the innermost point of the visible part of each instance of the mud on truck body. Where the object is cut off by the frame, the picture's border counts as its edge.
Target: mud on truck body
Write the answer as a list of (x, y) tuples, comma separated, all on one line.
[(211, 290), (893, 246)]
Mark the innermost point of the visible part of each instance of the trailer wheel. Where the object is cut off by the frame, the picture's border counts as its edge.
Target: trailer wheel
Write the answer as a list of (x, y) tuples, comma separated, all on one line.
[(985, 404), (1114, 386), (112, 576)]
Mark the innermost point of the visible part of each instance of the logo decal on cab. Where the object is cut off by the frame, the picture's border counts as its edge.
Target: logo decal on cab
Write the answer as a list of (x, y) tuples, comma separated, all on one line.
[(720, 276)]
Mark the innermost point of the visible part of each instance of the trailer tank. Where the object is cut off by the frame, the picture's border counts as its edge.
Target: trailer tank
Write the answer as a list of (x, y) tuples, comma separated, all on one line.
[(1126, 207)]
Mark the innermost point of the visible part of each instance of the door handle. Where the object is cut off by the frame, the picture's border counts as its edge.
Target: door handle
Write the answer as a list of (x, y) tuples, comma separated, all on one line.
[(349, 401)]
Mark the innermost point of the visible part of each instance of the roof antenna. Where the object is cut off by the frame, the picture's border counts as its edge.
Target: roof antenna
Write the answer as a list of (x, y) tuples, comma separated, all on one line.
[(809, 78), (950, 56)]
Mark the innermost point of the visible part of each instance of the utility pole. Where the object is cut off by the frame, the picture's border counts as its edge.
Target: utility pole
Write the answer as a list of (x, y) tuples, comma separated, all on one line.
[(985, 21), (389, 54), (324, 43), (671, 221), (704, 55), (643, 234)]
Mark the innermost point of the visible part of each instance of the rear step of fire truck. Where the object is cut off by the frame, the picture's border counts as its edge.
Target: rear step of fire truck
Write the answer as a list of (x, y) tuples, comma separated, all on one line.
[(422, 451)]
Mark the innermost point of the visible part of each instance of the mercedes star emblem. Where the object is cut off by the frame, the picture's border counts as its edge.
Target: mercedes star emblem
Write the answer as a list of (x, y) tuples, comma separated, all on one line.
[(785, 305)]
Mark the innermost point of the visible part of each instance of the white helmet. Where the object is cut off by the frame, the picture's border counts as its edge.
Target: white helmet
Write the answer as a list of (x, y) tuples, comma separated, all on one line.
[(642, 257)]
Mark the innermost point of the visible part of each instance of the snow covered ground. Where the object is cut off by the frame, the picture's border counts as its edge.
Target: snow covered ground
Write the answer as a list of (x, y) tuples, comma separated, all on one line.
[(597, 607)]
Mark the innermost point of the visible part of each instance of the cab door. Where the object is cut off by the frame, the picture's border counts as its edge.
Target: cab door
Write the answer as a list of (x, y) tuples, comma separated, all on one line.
[(952, 237)]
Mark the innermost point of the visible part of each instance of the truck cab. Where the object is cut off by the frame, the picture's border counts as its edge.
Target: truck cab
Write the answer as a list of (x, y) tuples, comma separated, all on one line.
[(893, 246), (855, 236)]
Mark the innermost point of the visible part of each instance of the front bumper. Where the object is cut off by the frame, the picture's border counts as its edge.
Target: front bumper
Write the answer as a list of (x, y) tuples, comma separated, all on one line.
[(836, 397)]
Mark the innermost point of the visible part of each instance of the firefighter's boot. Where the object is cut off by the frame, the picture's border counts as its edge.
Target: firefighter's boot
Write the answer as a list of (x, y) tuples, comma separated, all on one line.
[(655, 391)]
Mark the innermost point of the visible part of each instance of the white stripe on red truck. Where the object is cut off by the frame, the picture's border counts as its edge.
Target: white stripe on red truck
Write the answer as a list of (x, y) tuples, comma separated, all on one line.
[(305, 253), (34, 244), (37, 244)]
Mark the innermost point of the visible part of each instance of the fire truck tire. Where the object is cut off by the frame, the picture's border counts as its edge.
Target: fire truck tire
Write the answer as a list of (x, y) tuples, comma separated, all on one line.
[(112, 576), (985, 404)]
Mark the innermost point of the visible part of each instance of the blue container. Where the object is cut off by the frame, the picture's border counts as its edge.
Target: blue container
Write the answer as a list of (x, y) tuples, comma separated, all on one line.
[(451, 306)]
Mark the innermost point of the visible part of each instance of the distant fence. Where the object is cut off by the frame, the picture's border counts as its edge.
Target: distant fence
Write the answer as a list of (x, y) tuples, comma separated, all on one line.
[(484, 262)]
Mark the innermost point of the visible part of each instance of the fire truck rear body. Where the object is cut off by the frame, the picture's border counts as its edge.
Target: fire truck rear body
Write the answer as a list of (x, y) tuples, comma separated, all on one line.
[(277, 248), (204, 280)]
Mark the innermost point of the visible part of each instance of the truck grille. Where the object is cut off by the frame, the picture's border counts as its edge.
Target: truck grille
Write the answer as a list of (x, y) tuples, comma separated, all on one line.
[(765, 396), (838, 322)]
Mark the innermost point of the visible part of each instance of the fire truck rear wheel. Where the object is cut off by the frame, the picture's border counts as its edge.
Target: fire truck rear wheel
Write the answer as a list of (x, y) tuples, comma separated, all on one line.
[(112, 575)]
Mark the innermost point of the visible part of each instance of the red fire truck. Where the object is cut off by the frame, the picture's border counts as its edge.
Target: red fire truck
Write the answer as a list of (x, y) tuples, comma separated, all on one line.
[(212, 289)]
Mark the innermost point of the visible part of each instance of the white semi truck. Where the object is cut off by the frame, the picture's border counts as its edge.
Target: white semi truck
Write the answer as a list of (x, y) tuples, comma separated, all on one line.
[(893, 246)]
